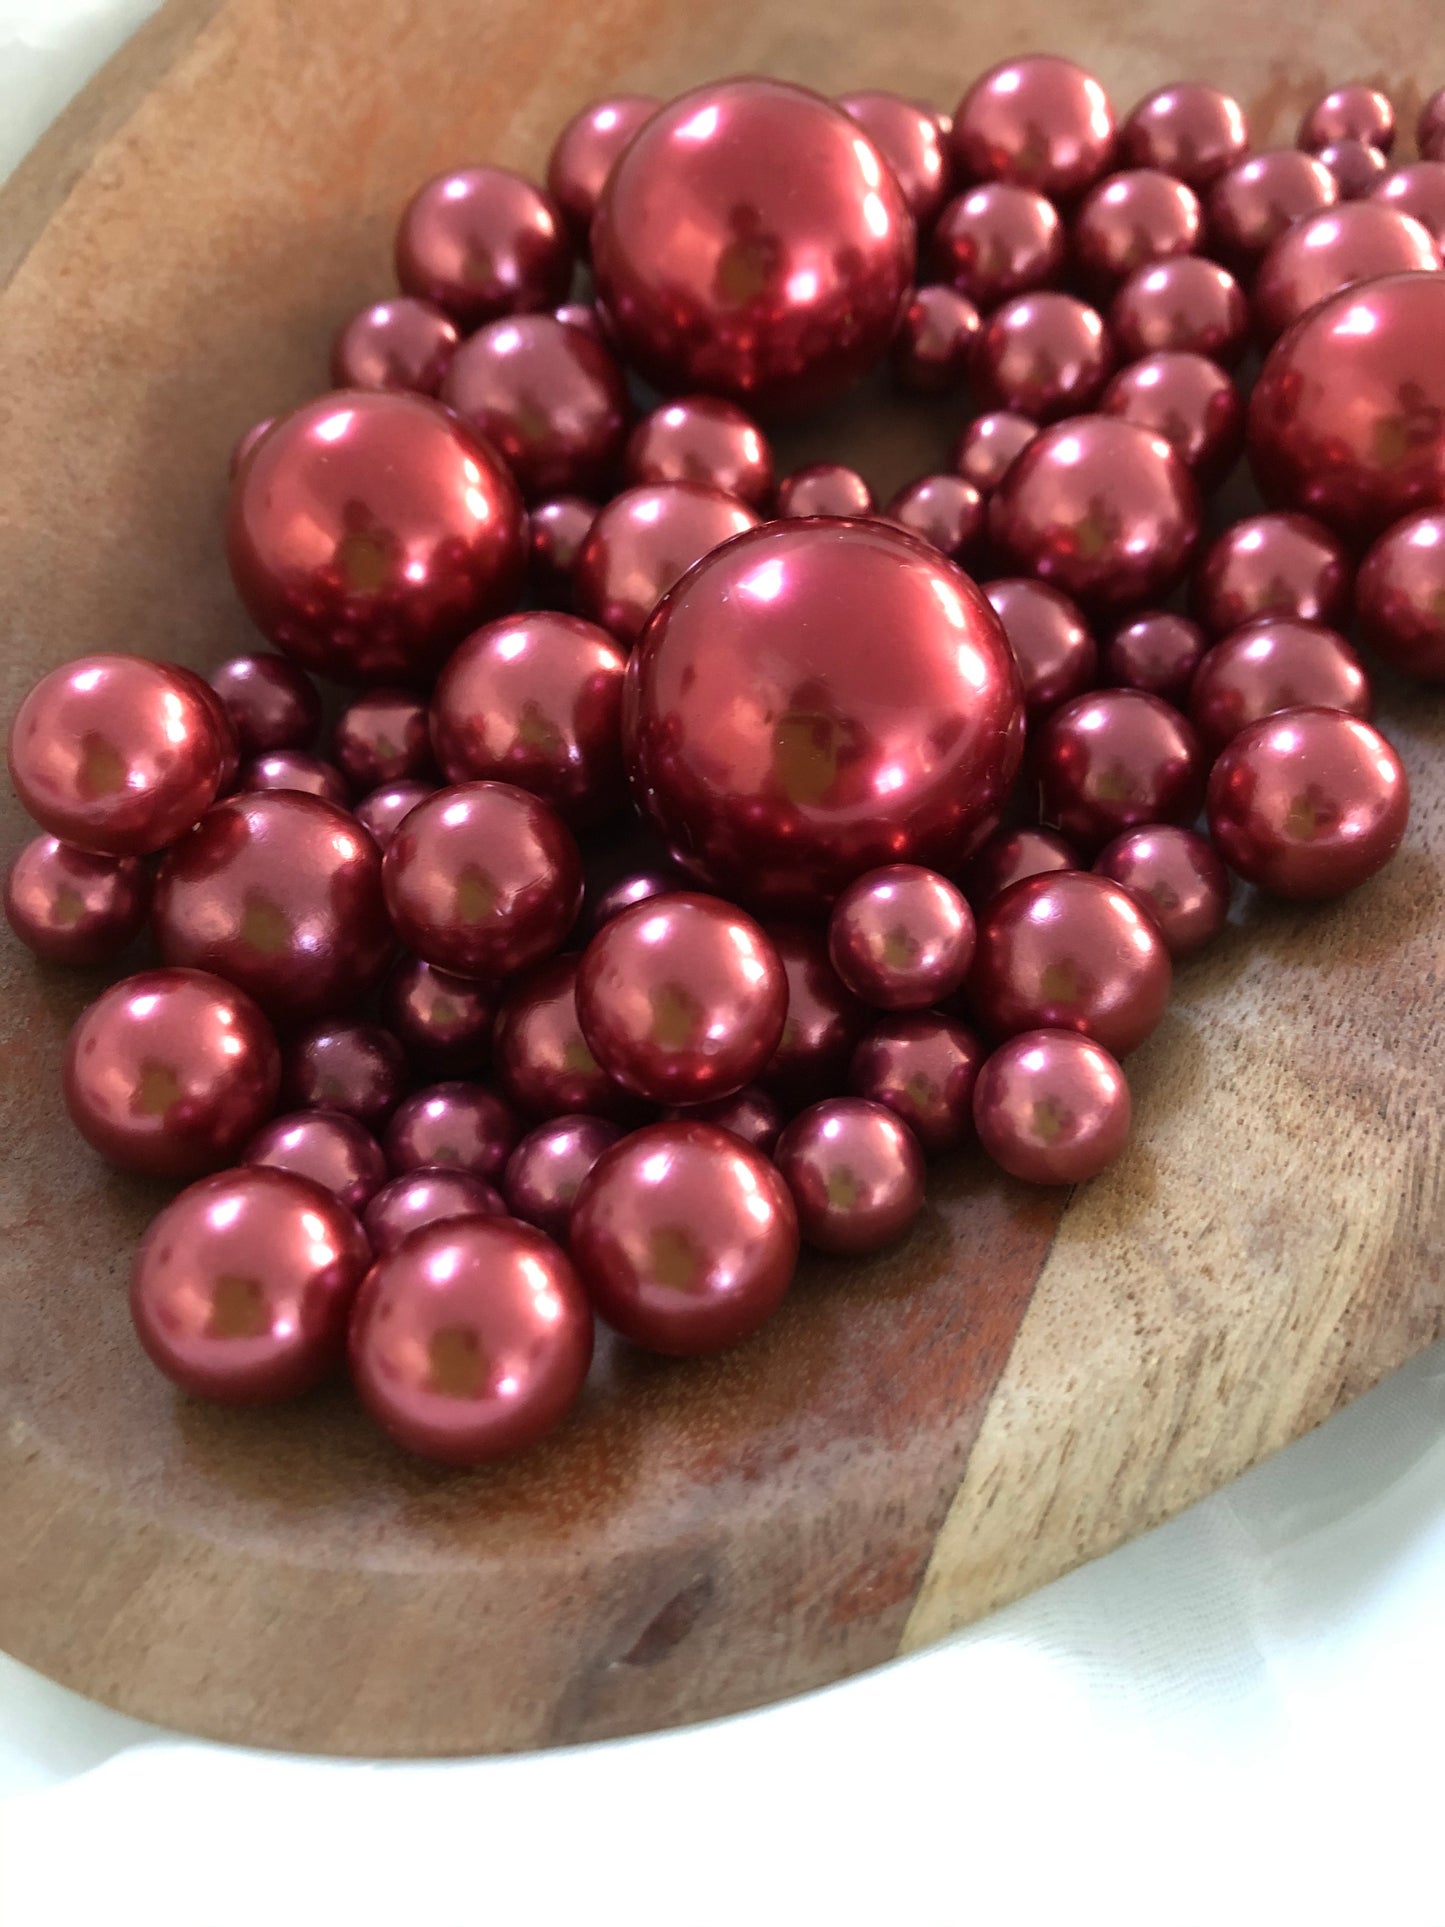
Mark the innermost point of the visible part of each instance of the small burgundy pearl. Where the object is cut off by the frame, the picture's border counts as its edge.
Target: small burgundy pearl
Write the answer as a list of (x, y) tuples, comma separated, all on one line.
[(824, 488), (381, 737), (1174, 874), (385, 810), (271, 703), (1349, 113), (471, 1340), (1011, 855), (557, 528), (583, 154), (1430, 127), (749, 1114), (462, 1126), (1042, 355), (1189, 130), (230, 748), (442, 1021), (1158, 651), (823, 1023), (1280, 564), (942, 510), (482, 880), (912, 141), (1191, 402), (247, 441), (356, 1068), (1188, 305), (331, 1149), (482, 242), (685, 1237), (1038, 120), (1400, 596), (546, 1170), (1417, 189), (1253, 204), (1133, 218), (1277, 663), (169, 1072), (296, 770), (70, 907), (1308, 803), (989, 446), (922, 1067), (429, 1195), (242, 1286), (585, 315), (856, 1174), (1116, 758), (1070, 952), (633, 886), (1052, 1107), (935, 341), (701, 438), (1332, 250), (642, 542), (545, 1064), (1051, 642), (402, 343), (997, 241), (1357, 167), (901, 938)]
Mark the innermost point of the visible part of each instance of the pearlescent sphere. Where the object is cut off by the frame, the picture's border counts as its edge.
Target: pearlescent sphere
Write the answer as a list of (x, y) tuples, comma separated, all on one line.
[(1158, 651), (401, 343), (996, 241), (1418, 190), (544, 1062), (1355, 112), (1011, 855), (1174, 874), (1052, 1107), (585, 152), (271, 703), (1115, 758), (1053, 647), (384, 811), (988, 448), (824, 1020), (71, 907), (355, 1068), (749, 1114), (328, 1147), (1430, 127), (432, 1194), (556, 531), (944, 511), (1278, 663), (642, 543), (1252, 204), (462, 1126), (1400, 596), (1132, 218), (483, 242), (294, 769), (1189, 130), (855, 1171), (1357, 167), (546, 1170), (933, 348), (1336, 249), (1183, 306), (445, 1022), (911, 139), (700, 438), (1040, 121), (381, 737), (1191, 402), (1042, 355), (824, 488), (1272, 565), (901, 938), (921, 1066)]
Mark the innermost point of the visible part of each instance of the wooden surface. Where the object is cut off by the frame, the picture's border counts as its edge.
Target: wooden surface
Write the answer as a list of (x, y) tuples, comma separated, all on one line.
[(1027, 1381)]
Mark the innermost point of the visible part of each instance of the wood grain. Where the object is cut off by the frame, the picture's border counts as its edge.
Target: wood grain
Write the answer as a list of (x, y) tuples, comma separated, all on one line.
[(1016, 1388)]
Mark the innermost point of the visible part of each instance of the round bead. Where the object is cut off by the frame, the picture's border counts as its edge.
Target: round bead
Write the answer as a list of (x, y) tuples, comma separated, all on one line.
[(242, 1286), (1349, 113), (471, 1340), (1308, 803), (1131, 219), (922, 1067), (463, 1127), (990, 445), (1052, 646), (642, 543), (544, 1061), (1011, 855), (823, 1024), (381, 737), (1187, 305), (942, 510), (400, 343), (585, 152), (1417, 189), (271, 703), (385, 810), (935, 341), (1272, 565), (328, 1147), (1038, 120), (701, 438), (911, 140), (1332, 250), (1400, 596), (169, 1072), (1158, 651), (634, 885), (356, 1068), (1042, 355), (855, 1171), (749, 1114), (1189, 130), (1116, 758), (247, 441), (1191, 402), (295, 770), (996, 241), (556, 529), (1253, 204), (443, 1021), (1052, 1107), (1277, 663), (1357, 167), (482, 242), (824, 488), (546, 1170), (1174, 874), (430, 1195), (901, 938), (1430, 127), (71, 907)]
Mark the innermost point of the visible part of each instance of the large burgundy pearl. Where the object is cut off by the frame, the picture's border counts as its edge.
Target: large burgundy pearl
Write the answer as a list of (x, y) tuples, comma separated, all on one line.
[(1400, 596), (934, 345), (1417, 189), (1187, 305), (1070, 952), (71, 907), (369, 532), (545, 1063), (1189, 130), (1308, 803), (749, 1114), (901, 938), (1272, 565), (642, 542), (1357, 167), (1052, 1107), (402, 343), (1175, 875), (356, 1068), (116, 754), (471, 1340), (1158, 651), (701, 438), (686, 1238), (169, 1072), (281, 894), (546, 1170), (482, 880), (682, 998), (997, 240), (1133, 218), (462, 1126), (585, 152), (431, 1194), (556, 529), (1349, 113), (1011, 855), (381, 737), (1042, 355), (271, 703), (331, 1149), (1191, 402), (823, 1024), (1252, 205), (751, 242), (1332, 250), (242, 1286), (824, 488), (1277, 663), (922, 1066), (1116, 758), (1100, 509), (855, 1171), (815, 699), (536, 700), (385, 810), (294, 769), (1053, 648), (483, 242), (944, 511), (911, 140), (443, 1021), (1038, 120), (990, 445)]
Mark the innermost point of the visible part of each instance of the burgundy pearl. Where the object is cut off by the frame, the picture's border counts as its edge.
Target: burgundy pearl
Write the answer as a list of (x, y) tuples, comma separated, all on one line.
[(556, 531), (911, 140), (1131, 219), (482, 880), (281, 894), (855, 1172), (1052, 646), (585, 152), (633, 886), (546, 1170), (1278, 663), (1158, 651), (701, 438), (1262, 196), (685, 1237), (242, 1286), (471, 1340), (1417, 189), (355, 1068), (942, 510), (935, 341), (823, 1024), (115, 754), (997, 241), (482, 242), (1272, 565), (1052, 1108), (990, 445), (294, 769), (381, 737), (1100, 509), (442, 1021), (544, 1061), (1191, 402), (1349, 113), (922, 1067), (246, 442), (1070, 952), (1114, 759), (461, 1126), (585, 315), (1187, 305), (824, 488), (1357, 167), (1430, 127), (71, 907), (369, 532), (642, 542), (1011, 855), (395, 344), (752, 243), (776, 742), (1038, 120), (1042, 355), (1333, 250), (901, 938), (1174, 874), (1308, 803), (331, 1149), (536, 700), (385, 810), (271, 703), (169, 1072), (1400, 596), (426, 1196), (749, 1114), (1189, 130)]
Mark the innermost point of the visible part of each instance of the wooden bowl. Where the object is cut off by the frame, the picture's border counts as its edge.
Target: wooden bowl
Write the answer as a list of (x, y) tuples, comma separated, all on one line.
[(1026, 1381)]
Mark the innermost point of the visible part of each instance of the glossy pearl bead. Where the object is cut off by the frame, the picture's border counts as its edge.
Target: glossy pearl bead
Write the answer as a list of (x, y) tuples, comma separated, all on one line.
[(331, 1149), (401, 343), (749, 1114), (585, 152), (442, 1021), (944, 511), (1430, 127), (1400, 596), (1332, 250), (483, 242), (911, 140), (1040, 121), (1357, 167), (1131, 219), (247, 441), (546, 1170), (1418, 189), (935, 341), (1174, 874), (556, 531), (855, 1172), (824, 488), (990, 445), (901, 938), (430, 1195), (1278, 663), (1042, 355), (355, 1068), (1158, 651), (1116, 758), (460, 1126), (1272, 565), (997, 241), (1187, 306), (703, 439), (1011, 855), (634, 885), (1052, 646), (1191, 402), (544, 1061), (1253, 204), (383, 812), (381, 737), (271, 703), (293, 769), (1349, 113), (823, 1023), (1052, 1108), (1189, 130), (922, 1067), (642, 543), (71, 907)]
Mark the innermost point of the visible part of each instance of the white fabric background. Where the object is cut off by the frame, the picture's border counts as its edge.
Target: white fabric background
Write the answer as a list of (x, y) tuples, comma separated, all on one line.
[(1236, 1719)]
